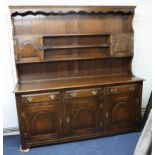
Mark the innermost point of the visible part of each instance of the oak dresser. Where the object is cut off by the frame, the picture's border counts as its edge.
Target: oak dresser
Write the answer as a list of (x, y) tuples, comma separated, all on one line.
[(74, 72)]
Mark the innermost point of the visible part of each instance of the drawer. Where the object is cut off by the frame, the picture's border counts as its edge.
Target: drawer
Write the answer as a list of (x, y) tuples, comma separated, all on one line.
[(34, 98), (82, 93), (122, 89)]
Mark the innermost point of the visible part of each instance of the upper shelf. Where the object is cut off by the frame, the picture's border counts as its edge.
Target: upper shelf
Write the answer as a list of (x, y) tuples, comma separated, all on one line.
[(65, 35)]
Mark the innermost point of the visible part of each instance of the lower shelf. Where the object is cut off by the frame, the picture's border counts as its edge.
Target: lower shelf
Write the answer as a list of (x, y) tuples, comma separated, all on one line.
[(59, 58)]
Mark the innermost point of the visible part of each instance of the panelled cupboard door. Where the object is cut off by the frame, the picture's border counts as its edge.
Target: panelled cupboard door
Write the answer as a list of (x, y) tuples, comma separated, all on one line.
[(44, 122), (122, 111), (82, 116)]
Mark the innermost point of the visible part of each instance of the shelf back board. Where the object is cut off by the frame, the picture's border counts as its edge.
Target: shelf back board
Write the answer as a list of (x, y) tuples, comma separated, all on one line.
[(72, 69)]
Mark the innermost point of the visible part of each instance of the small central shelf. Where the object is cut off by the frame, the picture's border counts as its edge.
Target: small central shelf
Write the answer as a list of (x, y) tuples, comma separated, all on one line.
[(75, 46)]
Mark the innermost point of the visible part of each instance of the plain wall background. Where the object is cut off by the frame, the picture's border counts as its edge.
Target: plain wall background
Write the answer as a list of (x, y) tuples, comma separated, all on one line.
[(142, 62)]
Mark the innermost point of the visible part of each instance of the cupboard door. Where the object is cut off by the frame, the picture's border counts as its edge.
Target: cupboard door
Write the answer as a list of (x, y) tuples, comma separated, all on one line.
[(44, 122), (82, 116), (121, 111)]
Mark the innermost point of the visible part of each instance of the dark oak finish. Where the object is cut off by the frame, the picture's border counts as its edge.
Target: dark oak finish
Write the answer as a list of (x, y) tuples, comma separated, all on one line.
[(75, 79)]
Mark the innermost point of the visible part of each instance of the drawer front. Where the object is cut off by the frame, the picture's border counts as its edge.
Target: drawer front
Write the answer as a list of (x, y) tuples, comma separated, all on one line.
[(122, 89), (82, 93), (34, 98)]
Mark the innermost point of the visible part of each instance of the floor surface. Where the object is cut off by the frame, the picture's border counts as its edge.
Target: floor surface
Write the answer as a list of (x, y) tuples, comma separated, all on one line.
[(114, 145)]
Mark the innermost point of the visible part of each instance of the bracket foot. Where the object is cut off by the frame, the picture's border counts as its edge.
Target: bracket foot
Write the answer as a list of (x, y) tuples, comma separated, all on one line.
[(24, 150)]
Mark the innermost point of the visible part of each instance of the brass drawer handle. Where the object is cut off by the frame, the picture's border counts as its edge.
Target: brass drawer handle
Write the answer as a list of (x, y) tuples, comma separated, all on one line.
[(67, 120), (101, 106), (113, 90), (73, 94), (101, 124), (132, 88), (60, 121), (107, 114), (52, 96), (94, 92), (30, 99)]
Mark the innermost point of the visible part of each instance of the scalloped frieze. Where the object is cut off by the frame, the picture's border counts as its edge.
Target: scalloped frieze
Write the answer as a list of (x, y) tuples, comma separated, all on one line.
[(83, 12)]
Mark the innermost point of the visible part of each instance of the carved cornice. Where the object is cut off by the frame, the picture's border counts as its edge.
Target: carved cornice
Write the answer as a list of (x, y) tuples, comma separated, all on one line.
[(69, 12), (47, 11)]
